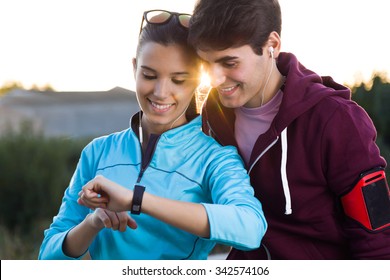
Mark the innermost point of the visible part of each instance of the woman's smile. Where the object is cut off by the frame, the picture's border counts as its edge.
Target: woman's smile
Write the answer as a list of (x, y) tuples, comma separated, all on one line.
[(160, 108)]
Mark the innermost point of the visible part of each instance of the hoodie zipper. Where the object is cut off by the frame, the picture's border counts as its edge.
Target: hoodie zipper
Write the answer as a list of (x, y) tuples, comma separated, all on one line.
[(258, 158), (211, 131), (286, 188), (265, 150)]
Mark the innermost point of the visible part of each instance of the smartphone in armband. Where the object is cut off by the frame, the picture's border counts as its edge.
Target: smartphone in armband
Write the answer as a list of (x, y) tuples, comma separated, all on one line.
[(369, 201)]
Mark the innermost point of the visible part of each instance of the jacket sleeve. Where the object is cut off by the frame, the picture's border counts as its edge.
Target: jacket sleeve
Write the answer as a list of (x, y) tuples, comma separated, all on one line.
[(236, 218), (350, 149), (70, 213)]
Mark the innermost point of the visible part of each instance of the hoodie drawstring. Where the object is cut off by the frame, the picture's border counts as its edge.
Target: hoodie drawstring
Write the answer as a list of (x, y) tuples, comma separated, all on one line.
[(283, 172), (283, 169)]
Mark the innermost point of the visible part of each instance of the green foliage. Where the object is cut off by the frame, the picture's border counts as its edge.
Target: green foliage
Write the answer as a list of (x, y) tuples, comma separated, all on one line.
[(374, 97), (34, 172), (10, 86), (21, 246)]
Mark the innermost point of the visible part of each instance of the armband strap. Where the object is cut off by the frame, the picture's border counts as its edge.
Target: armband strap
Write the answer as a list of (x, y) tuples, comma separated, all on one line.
[(138, 194), (369, 201)]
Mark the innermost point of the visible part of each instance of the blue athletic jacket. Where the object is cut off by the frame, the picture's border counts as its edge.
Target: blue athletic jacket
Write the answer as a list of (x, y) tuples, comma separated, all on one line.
[(185, 165)]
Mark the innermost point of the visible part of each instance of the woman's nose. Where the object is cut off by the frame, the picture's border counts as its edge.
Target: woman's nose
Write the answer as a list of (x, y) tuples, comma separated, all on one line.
[(162, 89)]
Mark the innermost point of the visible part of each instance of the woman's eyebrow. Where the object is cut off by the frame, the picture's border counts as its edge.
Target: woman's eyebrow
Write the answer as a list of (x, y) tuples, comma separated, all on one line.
[(173, 73), (181, 73)]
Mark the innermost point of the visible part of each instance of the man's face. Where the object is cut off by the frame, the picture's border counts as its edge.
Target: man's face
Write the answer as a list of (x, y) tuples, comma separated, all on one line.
[(239, 75)]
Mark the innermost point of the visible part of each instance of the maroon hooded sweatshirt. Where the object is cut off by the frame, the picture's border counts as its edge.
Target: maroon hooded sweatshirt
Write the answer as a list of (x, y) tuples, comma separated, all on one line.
[(314, 151)]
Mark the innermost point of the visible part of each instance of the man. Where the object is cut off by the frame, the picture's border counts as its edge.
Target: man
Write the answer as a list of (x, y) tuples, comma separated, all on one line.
[(310, 151)]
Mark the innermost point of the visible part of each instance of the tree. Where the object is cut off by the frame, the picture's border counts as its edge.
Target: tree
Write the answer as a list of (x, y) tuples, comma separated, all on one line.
[(10, 85), (374, 97)]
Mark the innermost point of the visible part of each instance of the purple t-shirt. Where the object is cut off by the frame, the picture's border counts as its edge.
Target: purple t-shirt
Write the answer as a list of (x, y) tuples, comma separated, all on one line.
[(252, 122)]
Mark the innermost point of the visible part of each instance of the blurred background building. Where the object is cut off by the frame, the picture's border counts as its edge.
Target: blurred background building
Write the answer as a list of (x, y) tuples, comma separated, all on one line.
[(68, 114)]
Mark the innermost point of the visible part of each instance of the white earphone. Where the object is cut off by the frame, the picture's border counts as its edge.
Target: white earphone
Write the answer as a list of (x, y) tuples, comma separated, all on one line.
[(271, 51), (271, 54)]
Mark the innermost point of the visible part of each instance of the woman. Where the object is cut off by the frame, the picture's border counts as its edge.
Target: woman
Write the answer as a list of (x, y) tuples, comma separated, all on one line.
[(185, 191)]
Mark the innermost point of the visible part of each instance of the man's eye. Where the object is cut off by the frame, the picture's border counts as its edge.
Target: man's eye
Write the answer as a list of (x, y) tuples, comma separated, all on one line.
[(149, 77), (230, 64)]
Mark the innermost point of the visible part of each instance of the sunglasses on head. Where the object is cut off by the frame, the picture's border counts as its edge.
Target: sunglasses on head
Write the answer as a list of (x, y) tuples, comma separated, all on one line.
[(162, 17)]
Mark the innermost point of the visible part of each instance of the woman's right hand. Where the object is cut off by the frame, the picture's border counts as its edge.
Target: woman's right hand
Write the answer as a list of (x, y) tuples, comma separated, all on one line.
[(101, 192)]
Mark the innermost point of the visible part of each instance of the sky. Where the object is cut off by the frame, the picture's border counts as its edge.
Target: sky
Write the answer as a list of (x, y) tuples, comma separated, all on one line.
[(87, 45)]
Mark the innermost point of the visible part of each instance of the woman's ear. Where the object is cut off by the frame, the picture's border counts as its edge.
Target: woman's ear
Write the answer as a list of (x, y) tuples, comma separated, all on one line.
[(134, 66)]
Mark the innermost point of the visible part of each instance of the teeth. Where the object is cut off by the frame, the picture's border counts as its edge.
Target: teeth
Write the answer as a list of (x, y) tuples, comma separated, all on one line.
[(227, 89), (161, 107)]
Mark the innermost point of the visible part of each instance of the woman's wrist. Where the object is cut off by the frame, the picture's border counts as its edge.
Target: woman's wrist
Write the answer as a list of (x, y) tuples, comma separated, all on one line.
[(94, 222), (136, 201)]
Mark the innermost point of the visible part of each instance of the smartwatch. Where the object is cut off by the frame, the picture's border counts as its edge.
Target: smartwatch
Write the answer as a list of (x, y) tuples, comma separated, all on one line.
[(138, 193)]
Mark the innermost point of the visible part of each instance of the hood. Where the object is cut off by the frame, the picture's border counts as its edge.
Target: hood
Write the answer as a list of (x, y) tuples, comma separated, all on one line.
[(303, 89)]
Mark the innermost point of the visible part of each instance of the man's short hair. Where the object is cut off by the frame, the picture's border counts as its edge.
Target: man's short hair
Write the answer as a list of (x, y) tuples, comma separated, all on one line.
[(222, 24)]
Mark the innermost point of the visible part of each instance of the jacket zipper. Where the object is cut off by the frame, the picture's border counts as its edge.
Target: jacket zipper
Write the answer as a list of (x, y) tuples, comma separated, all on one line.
[(211, 130), (258, 158), (147, 157), (266, 150)]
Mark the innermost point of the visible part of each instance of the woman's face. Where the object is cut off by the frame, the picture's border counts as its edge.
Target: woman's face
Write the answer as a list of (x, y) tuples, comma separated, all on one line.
[(166, 77)]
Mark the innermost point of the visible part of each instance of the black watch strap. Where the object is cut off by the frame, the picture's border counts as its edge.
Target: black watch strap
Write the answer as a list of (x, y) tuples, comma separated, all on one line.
[(138, 193)]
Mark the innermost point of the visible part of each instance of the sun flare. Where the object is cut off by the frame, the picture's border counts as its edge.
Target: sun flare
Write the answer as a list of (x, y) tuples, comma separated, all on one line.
[(202, 90), (204, 79)]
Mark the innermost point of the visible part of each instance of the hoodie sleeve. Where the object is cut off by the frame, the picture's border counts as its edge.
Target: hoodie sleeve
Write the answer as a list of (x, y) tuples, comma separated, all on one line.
[(236, 218), (70, 213), (350, 149)]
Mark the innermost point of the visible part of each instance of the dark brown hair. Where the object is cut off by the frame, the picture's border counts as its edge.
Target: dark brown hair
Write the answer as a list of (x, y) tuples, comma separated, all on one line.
[(222, 24)]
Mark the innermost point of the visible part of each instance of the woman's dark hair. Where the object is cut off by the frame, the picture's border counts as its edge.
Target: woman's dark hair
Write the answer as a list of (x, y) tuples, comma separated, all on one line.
[(222, 24), (170, 33)]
